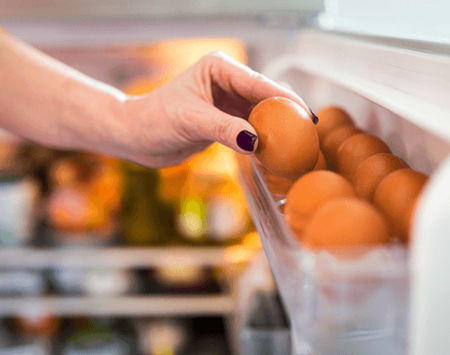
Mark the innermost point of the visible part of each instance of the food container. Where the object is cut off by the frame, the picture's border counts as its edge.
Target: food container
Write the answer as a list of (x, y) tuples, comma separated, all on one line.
[(21, 282), (26, 349), (162, 335), (362, 305), (94, 282), (17, 207), (11, 344)]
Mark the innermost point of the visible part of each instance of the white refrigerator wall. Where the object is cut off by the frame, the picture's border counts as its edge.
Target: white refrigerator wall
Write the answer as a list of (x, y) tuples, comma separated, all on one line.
[(264, 41)]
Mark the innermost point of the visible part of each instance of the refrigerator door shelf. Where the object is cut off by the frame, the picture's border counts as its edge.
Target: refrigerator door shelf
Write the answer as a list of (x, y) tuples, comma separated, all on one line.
[(345, 306), (362, 306)]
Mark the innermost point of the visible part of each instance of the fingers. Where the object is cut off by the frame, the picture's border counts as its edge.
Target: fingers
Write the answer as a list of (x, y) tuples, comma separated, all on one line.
[(231, 131), (233, 76)]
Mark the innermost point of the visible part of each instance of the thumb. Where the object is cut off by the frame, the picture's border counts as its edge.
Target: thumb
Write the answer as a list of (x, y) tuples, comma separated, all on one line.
[(234, 132)]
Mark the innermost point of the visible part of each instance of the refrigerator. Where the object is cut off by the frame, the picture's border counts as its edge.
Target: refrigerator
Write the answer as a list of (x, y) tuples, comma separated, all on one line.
[(387, 64)]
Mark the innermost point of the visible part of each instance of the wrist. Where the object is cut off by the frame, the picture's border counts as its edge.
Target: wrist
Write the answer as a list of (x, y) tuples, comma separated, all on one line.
[(122, 130), (91, 117)]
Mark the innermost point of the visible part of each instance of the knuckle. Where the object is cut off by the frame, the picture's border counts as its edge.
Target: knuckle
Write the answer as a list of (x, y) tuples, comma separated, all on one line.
[(222, 130), (217, 54), (215, 57), (188, 120)]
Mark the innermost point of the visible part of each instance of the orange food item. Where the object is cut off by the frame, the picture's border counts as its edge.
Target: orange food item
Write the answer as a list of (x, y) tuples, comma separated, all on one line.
[(334, 139), (42, 325), (310, 192), (69, 209), (330, 118), (397, 196), (371, 171), (64, 173), (277, 184), (321, 162), (8, 150), (355, 149), (280, 186), (288, 142), (107, 189), (346, 222), (87, 193)]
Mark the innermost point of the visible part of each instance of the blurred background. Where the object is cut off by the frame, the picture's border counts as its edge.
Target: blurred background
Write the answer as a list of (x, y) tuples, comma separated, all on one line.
[(100, 256)]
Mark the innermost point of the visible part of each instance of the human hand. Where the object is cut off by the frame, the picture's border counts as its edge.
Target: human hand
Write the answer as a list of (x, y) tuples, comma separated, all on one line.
[(209, 102)]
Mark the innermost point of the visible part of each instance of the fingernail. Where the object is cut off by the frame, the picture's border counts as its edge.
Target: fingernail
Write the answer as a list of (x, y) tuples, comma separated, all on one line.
[(315, 119), (246, 140)]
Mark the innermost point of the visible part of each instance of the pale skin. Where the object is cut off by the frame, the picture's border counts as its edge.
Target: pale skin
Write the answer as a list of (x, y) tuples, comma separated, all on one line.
[(45, 101)]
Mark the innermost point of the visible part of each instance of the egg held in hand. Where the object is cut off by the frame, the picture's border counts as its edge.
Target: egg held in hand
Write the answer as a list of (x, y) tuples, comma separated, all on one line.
[(288, 144)]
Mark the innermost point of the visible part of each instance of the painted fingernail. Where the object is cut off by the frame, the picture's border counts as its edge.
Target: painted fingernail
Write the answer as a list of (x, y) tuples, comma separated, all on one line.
[(246, 140), (315, 119)]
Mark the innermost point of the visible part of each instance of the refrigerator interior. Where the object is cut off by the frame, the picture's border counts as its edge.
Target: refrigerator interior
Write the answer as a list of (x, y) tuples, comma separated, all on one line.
[(389, 302)]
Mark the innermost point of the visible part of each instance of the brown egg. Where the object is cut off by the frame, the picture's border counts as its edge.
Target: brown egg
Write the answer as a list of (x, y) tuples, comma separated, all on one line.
[(372, 170), (355, 149), (396, 196), (288, 142), (331, 118), (276, 184), (334, 139), (345, 222), (321, 162), (279, 185), (309, 193)]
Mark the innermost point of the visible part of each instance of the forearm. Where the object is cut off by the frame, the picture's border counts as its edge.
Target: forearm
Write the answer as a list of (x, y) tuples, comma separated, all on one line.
[(48, 102)]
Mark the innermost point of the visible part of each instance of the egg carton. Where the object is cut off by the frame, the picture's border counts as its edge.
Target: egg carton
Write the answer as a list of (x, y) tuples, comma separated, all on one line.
[(388, 301)]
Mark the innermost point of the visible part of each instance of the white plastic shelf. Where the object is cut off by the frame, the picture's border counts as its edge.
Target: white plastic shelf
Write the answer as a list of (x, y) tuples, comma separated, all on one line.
[(411, 84), (114, 257), (122, 306)]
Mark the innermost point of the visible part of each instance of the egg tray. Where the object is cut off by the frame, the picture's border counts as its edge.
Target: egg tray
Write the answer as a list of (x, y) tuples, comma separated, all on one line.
[(335, 305)]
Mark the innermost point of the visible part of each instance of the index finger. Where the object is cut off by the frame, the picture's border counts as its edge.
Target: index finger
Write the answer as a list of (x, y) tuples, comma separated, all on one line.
[(233, 76)]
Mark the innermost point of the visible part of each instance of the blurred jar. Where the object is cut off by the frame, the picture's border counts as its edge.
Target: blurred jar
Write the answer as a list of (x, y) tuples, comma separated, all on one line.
[(84, 199), (228, 217), (21, 282), (92, 337), (95, 282), (35, 321), (145, 218), (212, 206), (19, 192), (18, 198), (163, 336)]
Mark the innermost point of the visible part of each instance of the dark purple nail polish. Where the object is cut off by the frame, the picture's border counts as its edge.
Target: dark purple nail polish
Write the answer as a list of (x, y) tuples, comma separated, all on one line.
[(246, 140), (315, 119)]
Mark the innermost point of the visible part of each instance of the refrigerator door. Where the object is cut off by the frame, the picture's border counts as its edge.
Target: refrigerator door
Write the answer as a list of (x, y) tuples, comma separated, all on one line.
[(430, 309), (363, 307)]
